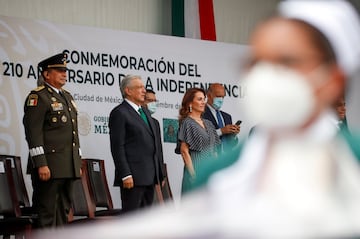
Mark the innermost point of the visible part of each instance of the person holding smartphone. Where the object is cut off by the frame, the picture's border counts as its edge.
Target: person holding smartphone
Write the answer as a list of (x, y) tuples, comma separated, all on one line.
[(222, 121)]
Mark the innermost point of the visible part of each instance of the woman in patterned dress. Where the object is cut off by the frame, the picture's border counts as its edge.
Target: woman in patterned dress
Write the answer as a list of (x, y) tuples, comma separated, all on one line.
[(197, 136)]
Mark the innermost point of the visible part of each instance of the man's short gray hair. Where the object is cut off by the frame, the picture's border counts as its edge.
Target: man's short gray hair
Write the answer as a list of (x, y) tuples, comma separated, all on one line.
[(126, 82)]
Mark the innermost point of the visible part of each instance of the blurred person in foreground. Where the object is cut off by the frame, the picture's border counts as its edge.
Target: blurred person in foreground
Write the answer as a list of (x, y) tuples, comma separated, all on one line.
[(296, 176)]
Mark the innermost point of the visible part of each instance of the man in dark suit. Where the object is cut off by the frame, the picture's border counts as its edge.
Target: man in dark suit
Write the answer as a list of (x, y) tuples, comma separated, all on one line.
[(221, 120), (51, 130), (134, 147), (151, 104)]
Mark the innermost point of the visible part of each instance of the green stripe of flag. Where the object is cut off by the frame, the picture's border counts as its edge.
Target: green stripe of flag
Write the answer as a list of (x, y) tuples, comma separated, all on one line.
[(178, 23)]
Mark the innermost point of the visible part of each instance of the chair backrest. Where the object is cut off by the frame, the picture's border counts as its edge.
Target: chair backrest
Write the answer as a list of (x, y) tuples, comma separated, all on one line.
[(158, 195), (9, 204), (166, 190), (83, 203), (163, 192), (98, 183), (19, 181)]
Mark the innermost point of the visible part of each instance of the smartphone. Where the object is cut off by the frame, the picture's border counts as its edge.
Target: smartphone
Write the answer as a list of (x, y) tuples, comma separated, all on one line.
[(238, 122)]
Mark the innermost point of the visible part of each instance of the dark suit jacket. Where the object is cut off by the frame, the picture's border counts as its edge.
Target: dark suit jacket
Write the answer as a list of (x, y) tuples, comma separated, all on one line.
[(228, 138), (209, 116), (161, 156), (134, 146), (50, 124)]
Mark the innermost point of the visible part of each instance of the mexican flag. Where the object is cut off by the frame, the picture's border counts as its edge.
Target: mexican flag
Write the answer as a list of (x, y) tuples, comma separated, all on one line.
[(193, 19)]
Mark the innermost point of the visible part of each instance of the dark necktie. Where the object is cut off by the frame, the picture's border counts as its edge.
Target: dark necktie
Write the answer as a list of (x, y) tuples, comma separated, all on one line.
[(143, 116), (219, 120), (61, 93)]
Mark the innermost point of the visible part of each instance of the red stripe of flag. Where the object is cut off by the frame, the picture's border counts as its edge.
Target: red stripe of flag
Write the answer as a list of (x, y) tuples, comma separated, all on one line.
[(207, 20)]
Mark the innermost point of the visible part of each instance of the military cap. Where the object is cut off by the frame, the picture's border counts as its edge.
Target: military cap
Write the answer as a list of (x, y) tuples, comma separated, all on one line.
[(56, 61)]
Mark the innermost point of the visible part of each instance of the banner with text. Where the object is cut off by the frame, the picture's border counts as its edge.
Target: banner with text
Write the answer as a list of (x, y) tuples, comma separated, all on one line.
[(98, 59)]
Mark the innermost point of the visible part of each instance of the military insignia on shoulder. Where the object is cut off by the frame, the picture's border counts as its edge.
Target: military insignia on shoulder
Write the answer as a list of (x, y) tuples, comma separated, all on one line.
[(73, 103), (32, 100), (65, 90), (39, 88)]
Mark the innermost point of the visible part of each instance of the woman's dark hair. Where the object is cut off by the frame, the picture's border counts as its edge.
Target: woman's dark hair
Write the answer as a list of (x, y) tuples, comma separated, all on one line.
[(187, 99)]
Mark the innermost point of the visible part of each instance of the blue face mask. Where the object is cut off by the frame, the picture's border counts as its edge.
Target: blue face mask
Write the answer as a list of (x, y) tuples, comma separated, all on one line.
[(218, 102), (152, 107)]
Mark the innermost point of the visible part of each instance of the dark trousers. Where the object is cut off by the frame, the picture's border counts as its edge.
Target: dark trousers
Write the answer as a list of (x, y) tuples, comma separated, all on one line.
[(136, 197), (52, 201)]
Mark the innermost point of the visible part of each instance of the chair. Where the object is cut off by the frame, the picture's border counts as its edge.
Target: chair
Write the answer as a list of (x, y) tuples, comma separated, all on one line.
[(166, 190), (19, 182), (163, 192), (158, 196), (12, 222), (83, 204), (100, 189)]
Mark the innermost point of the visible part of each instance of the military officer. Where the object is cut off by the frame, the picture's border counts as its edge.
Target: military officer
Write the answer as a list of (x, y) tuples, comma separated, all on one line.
[(51, 130)]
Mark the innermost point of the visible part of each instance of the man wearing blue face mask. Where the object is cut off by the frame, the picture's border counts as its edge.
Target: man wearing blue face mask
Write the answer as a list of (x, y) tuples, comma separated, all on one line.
[(150, 103), (221, 120)]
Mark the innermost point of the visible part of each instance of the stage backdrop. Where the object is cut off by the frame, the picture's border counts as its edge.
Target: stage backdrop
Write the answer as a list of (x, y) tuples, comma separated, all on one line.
[(98, 59)]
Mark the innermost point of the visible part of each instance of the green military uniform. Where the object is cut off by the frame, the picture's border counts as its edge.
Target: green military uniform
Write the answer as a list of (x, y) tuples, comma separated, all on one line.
[(51, 130)]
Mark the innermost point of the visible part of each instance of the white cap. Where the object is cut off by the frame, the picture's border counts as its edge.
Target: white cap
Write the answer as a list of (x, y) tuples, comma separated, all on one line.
[(337, 20)]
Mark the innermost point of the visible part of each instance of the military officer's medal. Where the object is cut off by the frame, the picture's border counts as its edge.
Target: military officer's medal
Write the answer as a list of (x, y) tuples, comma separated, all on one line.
[(64, 118), (57, 106)]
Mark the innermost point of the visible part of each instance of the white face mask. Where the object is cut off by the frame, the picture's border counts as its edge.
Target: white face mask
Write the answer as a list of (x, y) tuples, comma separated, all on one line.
[(152, 107), (278, 97)]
